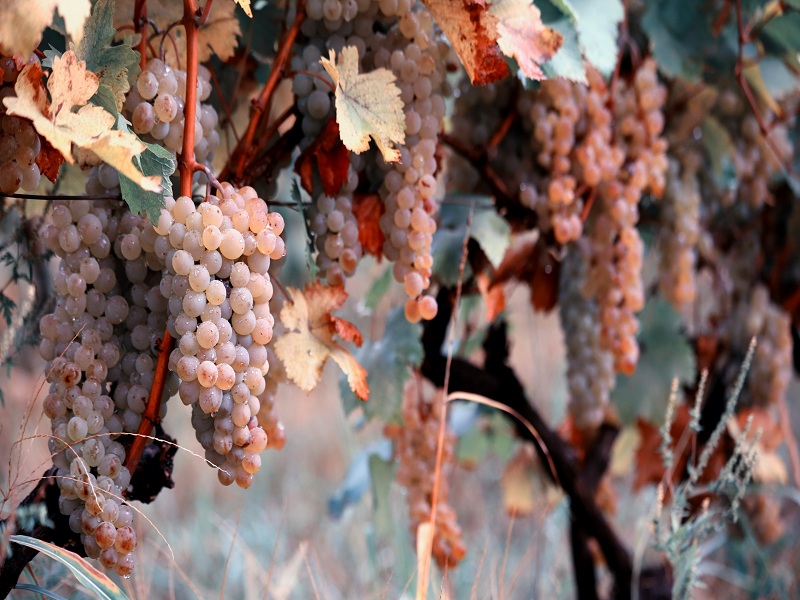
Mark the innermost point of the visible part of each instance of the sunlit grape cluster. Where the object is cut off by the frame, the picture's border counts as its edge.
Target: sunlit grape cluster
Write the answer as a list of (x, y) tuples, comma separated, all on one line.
[(616, 252), (19, 143), (415, 443), (217, 256), (101, 344)]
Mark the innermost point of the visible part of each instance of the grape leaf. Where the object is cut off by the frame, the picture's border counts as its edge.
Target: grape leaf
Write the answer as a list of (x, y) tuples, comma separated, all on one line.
[(22, 22), (309, 342), (245, 4), (568, 61), (367, 105), (677, 31), (49, 160), (522, 35), (482, 33), (357, 479), (368, 209), (332, 160), (90, 128), (517, 482), (490, 230), (665, 355), (597, 24), (387, 361), (218, 35), (155, 161), (112, 63)]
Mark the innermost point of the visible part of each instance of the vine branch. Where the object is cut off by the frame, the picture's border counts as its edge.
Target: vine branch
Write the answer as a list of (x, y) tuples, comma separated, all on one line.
[(242, 154)]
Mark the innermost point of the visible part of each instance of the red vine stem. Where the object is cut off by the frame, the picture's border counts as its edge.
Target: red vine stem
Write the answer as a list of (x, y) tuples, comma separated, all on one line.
[(743, 38), (139, 22), (186, 168), (243, 151)]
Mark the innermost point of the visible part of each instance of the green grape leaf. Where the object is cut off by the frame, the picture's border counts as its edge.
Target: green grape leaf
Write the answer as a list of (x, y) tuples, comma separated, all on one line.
[(679, 31), (381, 476), (387, 362), (784, 31), (568, 61), (113, 64), (50, 54), (598, 28), (489, 229), (357, 479), (721, 150), (378, 289), (491, 434), (86, 574), (665, 354), (154, 161)]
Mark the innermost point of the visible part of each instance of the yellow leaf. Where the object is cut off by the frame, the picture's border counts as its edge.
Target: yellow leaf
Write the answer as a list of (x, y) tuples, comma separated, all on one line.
[(71, 86), (367, 105), (23, 21), (518, 482), (523, 36), (309, 342), (245, 4)]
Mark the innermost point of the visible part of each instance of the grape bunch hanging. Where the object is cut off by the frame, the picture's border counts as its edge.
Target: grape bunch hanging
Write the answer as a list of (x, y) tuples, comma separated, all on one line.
[(178, 297)]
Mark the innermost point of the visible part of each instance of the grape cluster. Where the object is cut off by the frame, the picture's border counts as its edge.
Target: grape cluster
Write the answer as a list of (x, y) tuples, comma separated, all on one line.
[(409, 187), (571, 136), (590, 368), (156, 109), (335, 230), (217, 256), (680, 231), (19, 143), (415, 443), (101, 344), (754, 159), (771, 370), (616, 253)]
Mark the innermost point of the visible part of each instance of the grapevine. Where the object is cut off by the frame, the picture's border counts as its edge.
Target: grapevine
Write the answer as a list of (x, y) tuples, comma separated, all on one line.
[(204, 203)]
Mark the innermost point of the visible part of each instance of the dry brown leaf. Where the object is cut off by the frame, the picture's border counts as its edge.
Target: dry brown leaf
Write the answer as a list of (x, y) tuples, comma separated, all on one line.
[(494, 297), (332, 161), (71, 86), (473, 33), (523, 36), (309, 342), (367, 105), (23, 21), (368, 209)]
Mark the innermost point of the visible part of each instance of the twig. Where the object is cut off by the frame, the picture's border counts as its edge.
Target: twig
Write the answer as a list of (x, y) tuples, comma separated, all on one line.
[(206, 13), (742, 39), (242, 153), (139, 22)]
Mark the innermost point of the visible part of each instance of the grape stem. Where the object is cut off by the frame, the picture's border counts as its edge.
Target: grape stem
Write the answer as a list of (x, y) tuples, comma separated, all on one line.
[(743, 37), (139, 26), (186, 167), (242, 154)]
